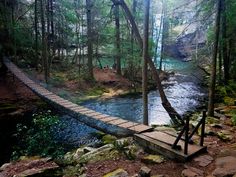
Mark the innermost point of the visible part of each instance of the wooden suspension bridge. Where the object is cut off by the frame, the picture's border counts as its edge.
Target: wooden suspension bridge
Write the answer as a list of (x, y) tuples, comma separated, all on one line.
[(170, 145)]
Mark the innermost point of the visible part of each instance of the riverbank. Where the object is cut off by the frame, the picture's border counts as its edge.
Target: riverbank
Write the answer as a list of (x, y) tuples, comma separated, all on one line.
[(106, 84)]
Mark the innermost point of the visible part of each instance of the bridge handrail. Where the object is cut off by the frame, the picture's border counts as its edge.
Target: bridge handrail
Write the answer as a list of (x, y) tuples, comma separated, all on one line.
[(188, 137)]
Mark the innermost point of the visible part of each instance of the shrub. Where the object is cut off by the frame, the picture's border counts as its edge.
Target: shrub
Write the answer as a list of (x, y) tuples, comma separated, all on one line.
[(233, 118), (36, 138)]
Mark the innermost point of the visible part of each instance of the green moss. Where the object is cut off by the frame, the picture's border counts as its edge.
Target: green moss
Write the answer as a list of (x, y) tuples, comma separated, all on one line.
[(233, 119), (153, 159), (73, 171), (96, 91), (109, 139), (212, 120), (116, 173), (229, 101), (225, 135)]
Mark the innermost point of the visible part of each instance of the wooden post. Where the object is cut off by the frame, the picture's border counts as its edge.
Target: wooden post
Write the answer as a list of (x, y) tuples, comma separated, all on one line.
[(179, 137), (186, 136), (203, 128)]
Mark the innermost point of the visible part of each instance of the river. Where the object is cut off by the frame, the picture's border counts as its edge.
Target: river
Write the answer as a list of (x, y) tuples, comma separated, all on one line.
[(182, 89)]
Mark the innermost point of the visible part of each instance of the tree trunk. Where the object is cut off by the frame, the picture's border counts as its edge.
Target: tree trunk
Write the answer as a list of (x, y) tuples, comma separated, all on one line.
[(214, 61), (225, 44), (158, 36), (166, 104), (145, 56), (52, 28), (220, 64), (118, 51), (134, 6), (89, 35), (164, 32), (44, 42), (36, 33)]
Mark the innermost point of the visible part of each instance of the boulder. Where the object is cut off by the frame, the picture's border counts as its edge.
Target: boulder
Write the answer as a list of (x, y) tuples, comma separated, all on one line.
[(29, 167), (204, 160), (225, 135), (192, 172), (225, 166), (117, 173), (70, 171), (144, 172), (108, 139), (123, 142), (131, 152), (153, 159), (103, 153)]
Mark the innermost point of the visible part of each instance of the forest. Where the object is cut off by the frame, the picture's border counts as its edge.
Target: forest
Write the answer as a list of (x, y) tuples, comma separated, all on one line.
[(117, 88)]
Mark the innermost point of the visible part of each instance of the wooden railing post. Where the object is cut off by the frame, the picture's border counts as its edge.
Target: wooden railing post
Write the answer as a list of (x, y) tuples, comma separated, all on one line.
[(186, 140), (203, 128)]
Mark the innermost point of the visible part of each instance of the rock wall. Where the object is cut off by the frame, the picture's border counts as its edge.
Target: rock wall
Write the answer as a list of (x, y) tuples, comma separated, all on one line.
[(185, 45)]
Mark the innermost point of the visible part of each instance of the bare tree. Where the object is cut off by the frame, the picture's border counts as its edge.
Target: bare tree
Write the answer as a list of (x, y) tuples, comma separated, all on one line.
[(36, 32), (118, 51), (89, 34), (44, 41), (145, 56), (214, 60)]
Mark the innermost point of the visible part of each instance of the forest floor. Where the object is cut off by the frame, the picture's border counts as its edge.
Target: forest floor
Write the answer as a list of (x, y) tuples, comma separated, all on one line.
[(218, 145)]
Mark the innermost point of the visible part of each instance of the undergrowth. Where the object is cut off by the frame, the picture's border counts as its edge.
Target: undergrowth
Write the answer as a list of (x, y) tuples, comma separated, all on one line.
[(35, 138)]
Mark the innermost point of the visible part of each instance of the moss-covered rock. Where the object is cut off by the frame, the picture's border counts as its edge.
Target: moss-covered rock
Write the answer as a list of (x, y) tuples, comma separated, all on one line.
[(71, 171), (122, 143), (212, 120), (117, 173), (131, 152), (106, 152), (208, 131), (153, 159), (108, 139), (225, 135)]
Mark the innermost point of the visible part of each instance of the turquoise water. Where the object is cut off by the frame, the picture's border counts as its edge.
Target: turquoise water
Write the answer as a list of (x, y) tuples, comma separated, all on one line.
[(182, 90)]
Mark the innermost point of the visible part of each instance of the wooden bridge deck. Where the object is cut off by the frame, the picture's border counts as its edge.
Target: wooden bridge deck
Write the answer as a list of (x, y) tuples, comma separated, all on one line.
[(156, 141), (161, 142), (74, 109)]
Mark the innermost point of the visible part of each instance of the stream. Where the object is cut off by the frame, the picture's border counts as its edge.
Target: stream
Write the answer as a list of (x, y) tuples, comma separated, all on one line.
[(182, 89)]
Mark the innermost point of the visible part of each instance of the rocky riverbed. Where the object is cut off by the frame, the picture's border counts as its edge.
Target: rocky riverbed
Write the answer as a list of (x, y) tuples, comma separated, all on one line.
[(124, 158)]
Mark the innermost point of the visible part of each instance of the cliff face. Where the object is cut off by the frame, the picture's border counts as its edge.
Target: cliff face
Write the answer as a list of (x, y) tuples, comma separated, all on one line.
[(186, 43)]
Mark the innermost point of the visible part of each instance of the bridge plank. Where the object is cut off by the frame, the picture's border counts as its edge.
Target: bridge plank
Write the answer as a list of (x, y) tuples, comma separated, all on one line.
[(140, 128), (90, 113), (80, 109), (94, 114), (108, 119), (70, 105), (101, 116), (128, 124), (87, 111), (118, 121)]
